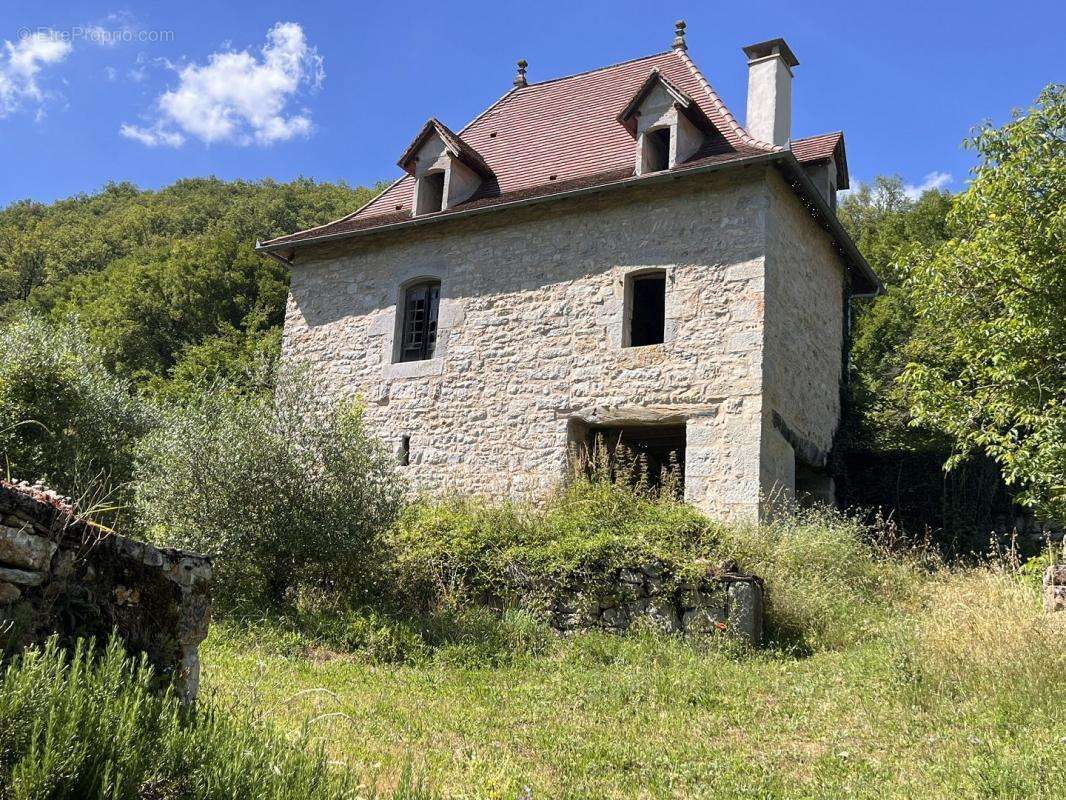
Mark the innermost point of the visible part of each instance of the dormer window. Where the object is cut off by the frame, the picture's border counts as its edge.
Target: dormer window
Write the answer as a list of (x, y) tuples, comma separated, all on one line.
[(666, 123), (655, 153), (447, 170), (430, 192)]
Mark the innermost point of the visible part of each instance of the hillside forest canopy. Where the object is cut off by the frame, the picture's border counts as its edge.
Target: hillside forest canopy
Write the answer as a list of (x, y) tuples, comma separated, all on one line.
[(156, 295)]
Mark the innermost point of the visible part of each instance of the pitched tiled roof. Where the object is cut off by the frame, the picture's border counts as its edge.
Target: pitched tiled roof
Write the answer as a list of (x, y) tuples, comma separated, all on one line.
[(546, 135), (563, 135), (821, 148)]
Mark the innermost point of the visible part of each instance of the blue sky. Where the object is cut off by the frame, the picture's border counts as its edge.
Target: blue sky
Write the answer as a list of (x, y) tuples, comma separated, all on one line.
[(154, 91)]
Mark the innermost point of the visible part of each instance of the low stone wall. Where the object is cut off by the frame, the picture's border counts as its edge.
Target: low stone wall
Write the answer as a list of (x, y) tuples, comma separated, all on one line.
[(62, 574), (721, 601), (1055, 588)]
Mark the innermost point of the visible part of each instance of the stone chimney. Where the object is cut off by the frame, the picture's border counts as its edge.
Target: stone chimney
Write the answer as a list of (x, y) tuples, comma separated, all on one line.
[(769, 116)]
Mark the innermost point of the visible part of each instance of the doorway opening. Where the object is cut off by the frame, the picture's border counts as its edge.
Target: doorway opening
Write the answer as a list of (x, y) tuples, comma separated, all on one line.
[(652, 456)]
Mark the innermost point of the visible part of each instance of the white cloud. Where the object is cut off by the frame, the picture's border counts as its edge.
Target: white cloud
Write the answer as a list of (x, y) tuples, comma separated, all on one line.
[(152, 137), (237, 96), (934, 180), (20, 66)]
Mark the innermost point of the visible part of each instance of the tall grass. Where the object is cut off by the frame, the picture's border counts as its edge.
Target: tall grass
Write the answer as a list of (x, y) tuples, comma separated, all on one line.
[(830, 580), (82, 725)]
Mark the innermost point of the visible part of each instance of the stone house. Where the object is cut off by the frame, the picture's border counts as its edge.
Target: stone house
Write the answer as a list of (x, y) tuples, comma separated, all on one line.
[(608, 254)]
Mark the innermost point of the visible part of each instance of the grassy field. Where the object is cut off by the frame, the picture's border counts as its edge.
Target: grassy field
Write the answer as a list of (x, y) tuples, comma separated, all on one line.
[(959, 693)]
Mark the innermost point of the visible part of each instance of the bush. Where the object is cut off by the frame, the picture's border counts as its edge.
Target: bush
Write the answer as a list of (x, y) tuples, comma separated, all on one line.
[(72, 726), (64, 419), (464, 549), (282, 491), (829, 583)]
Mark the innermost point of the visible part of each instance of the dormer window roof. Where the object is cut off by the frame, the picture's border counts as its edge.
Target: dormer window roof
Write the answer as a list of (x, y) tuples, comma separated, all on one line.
[(453, 143), (668, 125), (446, 169), (629, 115)]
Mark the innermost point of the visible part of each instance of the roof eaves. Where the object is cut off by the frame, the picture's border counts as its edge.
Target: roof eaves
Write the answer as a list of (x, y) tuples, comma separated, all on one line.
[(284, 243), (801, 182)]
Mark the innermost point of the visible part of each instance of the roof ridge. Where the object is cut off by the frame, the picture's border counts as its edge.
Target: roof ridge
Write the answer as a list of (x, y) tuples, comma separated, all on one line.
[(591, 71), (819, 135), (721, 107)]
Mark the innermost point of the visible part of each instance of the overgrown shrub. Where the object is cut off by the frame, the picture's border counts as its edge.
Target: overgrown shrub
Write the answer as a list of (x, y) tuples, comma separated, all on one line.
[(64, 418), (464, 549), (282, 491), (829, 581), (74, 726)]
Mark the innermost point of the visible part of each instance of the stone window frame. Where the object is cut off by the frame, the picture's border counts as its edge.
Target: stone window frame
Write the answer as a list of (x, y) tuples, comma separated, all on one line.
[(621, 316), (447, 316), (431, 311)]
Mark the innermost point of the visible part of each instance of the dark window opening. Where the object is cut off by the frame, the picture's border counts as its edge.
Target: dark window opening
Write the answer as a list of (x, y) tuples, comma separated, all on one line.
[(652, 455), (656, 150), (405, 451), (431, 192), (420, 322), (647, 320)]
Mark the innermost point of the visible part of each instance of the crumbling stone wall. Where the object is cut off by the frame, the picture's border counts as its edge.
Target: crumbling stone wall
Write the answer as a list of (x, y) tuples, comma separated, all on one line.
[(60, 574), (722, 601)]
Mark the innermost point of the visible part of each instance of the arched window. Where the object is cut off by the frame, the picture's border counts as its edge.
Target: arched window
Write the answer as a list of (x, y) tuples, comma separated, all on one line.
[(419, 333)]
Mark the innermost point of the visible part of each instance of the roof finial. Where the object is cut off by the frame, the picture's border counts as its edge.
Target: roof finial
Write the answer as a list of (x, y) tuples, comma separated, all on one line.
[(679, 35), (520, 78)]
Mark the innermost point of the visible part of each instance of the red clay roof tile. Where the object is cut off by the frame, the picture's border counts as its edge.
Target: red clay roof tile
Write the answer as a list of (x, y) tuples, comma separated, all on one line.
[(562, 134)]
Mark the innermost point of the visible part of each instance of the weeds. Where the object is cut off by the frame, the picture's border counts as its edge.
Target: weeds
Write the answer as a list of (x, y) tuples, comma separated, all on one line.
[(83, 725)]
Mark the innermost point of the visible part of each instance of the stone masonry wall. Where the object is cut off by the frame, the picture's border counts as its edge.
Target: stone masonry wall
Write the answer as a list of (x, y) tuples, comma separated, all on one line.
[(1055, 588), (61, 574), (803, 351), (530, 328), (530, 336), (723, 601)]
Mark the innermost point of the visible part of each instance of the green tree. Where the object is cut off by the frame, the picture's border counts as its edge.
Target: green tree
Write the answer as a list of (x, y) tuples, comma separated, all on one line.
[(887, 225), (64, 419), (988, 356), (160, 277), (284, 490)]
